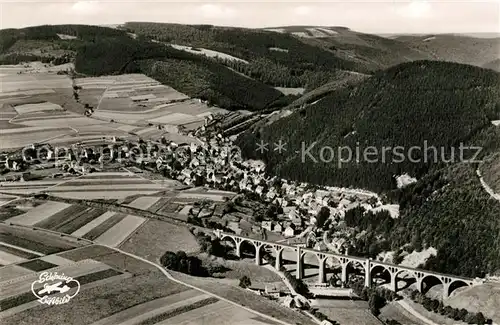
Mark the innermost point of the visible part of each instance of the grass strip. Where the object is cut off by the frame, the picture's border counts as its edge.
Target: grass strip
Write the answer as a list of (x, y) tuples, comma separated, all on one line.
[(178, 311), (29, 244), (80, 221), (18, 252), (37, 265), (105, 226)]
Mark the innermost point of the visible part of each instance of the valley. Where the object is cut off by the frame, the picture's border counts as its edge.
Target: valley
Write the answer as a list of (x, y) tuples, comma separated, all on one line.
[(158, 166)]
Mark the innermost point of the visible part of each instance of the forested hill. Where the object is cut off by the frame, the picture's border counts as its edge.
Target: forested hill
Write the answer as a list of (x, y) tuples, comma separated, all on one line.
[(275, 59), (456, 48), (101, 51), (438, 103), (447, 209)]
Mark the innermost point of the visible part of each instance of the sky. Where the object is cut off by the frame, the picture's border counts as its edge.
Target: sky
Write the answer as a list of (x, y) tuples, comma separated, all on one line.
[(390, 16)]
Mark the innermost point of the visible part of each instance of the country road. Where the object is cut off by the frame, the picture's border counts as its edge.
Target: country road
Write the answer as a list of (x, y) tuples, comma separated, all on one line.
[(486, 187), (170, 277), (165, 272)]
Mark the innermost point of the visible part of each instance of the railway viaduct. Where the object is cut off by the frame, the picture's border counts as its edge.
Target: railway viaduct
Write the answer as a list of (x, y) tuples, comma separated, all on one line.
[(372, 269)]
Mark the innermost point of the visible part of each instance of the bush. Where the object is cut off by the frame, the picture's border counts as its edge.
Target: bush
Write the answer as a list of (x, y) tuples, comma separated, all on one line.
[(245, 282), (298, 285), (181, 262), (376, 302)]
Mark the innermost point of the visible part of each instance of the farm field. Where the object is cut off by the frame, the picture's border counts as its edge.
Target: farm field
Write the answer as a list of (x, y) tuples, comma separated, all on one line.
[(22, 137), (251, 300), (91, 223), (28, 187), (28, 249), (129, 92), (120, 231), (105, 225), (28, 240), (144, 202), (17, 297), (219, 312), (97, 185), (156, 237), (148, 297), (39, 213), (213, 196), (32, 95), (179, 113), (30, 81), (37, 102), (346, 311)]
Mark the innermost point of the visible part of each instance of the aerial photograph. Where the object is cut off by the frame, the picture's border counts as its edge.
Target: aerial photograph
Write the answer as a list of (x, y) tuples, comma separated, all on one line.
[(328, 162)]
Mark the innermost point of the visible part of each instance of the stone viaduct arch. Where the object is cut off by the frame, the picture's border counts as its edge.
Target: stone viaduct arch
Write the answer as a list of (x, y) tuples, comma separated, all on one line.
[(424, 279)]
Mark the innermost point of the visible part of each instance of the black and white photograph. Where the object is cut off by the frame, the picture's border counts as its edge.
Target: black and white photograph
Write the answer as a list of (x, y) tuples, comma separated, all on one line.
[(209, 162)]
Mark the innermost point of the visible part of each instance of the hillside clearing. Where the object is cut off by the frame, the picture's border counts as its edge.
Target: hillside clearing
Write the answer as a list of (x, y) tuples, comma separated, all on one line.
[(207, 52), (291, 91)]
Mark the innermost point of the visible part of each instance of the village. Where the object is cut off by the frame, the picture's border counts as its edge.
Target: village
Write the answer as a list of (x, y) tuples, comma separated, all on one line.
[(259, 206)]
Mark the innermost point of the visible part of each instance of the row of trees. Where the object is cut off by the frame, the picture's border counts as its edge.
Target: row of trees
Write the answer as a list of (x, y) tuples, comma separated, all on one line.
[(437, 306)]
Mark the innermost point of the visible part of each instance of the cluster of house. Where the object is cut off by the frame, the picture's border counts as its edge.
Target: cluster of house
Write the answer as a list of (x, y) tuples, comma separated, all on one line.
[(216, 162)]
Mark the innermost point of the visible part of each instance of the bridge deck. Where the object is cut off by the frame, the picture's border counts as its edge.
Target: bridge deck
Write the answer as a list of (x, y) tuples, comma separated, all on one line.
[(349, 257)]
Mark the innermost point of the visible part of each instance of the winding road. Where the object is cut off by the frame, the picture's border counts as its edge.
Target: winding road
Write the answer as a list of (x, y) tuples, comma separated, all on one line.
[(161, 269)]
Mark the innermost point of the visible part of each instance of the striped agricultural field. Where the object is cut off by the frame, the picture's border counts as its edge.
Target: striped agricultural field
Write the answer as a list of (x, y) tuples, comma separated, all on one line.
[(159, 204), (56, 219), (93, 224), (7, 258), (20, 285), (27, 187), (216, 313), (17, 295), (120, 231), (201, 196), (39, 213), (26, 267), (23, 253), (21, 137), (71, 225), (108, 222), (153, 308), (31, 244), (105, 186)]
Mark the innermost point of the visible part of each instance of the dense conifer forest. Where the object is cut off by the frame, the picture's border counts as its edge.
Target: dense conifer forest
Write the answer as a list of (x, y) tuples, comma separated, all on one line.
[(422, 104), (275, 59), (445, 104)]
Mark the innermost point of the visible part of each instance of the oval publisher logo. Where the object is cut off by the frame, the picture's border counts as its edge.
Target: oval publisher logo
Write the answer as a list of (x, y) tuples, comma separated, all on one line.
[(53, 288)]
